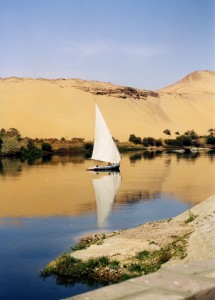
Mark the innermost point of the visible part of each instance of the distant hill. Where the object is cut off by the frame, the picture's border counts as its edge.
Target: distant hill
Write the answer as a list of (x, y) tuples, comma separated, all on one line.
[(65, 107), (196, 82)]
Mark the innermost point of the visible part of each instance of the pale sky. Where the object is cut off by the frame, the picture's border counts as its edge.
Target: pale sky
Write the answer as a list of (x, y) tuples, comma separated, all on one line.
[(146, 44)]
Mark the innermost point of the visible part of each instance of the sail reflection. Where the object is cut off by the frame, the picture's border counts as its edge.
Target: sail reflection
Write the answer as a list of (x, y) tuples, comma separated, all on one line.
[(105, 189)]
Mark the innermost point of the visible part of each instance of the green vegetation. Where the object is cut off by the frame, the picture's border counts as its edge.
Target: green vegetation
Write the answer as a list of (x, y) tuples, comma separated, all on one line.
[(46, 147), (76, 270), (210, 140), (187, 140), (146, 141), (13, 145), (134, 139), (10, 142), (167, 131), (190, 218), (86, 242), (180, 141), (31, 152), (68, 269)]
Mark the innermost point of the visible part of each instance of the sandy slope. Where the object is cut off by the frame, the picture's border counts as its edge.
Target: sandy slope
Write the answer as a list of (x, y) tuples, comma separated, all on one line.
[(57, 108)]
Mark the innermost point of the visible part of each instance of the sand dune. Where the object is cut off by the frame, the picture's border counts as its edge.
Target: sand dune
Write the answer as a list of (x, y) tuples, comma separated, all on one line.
[(196, 82), (65, 107)]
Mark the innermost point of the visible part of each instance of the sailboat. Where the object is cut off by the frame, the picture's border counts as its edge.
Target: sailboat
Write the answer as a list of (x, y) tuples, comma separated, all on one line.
[(104, 148)]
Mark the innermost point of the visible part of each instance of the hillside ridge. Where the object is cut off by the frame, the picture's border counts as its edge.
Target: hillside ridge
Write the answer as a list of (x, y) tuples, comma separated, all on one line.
[(55, 108), (100, 86)]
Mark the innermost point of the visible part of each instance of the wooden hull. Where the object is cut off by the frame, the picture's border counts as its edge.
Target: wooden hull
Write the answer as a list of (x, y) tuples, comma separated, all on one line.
[(107, 168)]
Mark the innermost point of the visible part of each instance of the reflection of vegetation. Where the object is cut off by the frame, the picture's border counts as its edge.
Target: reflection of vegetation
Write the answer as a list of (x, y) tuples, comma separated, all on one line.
[(188, 155), (13, 166), (144, 154), (211, 155), (135, 157), (137, 196), (103, 269), (9, 166), (149, 155)]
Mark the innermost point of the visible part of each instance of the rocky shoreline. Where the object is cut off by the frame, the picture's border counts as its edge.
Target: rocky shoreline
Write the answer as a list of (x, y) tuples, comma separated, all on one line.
[(141, 250)]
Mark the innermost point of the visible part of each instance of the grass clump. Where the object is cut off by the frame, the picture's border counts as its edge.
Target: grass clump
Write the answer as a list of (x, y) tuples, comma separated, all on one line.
[(86, 242), (147, 262), (77, 270), (191, 218)]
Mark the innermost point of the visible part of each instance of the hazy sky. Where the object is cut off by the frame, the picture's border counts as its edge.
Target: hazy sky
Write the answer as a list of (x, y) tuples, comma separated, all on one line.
[(146, 44)]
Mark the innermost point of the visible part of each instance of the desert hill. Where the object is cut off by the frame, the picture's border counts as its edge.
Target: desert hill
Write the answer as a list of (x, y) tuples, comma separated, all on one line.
[(196, 82), (65, 107)]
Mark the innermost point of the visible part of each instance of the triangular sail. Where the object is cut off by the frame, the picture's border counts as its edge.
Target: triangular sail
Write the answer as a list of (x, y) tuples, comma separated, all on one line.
[(105, 148), (105, 191)]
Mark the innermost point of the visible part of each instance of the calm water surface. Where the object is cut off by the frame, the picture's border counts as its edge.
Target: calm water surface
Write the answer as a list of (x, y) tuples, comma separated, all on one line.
[(47, 206)]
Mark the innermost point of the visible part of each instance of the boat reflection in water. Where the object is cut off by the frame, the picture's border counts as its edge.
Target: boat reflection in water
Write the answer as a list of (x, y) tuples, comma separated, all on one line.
[(105, 189)]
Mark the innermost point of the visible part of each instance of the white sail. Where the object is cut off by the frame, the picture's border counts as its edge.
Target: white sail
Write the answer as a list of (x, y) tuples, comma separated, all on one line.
[(105, 191), (105, 148)]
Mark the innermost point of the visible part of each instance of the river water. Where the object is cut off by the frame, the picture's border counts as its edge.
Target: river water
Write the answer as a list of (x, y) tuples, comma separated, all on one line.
[(46, 206)]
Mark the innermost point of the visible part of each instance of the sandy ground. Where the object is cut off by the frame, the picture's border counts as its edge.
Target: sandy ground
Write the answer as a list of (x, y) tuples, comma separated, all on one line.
[(65, 107), (151, 236)]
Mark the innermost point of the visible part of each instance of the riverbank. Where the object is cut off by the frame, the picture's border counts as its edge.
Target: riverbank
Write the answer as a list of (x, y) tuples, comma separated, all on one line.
[(137, 251)]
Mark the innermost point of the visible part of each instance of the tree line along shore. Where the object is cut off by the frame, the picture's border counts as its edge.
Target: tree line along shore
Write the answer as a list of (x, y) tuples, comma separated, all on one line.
[(12, 144)]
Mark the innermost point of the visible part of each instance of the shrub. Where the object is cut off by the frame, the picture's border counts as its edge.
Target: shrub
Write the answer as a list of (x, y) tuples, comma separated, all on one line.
[(2, 132), (190, 218), (210, 139), (211, 131), (31, 152), (134, 139), (88, 146), (167, 131), (158, 143), (192, 134), (185, 140), (10, 146), (148, 141), (180, 141), (10, 133), (174, 142), (46, 147)]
